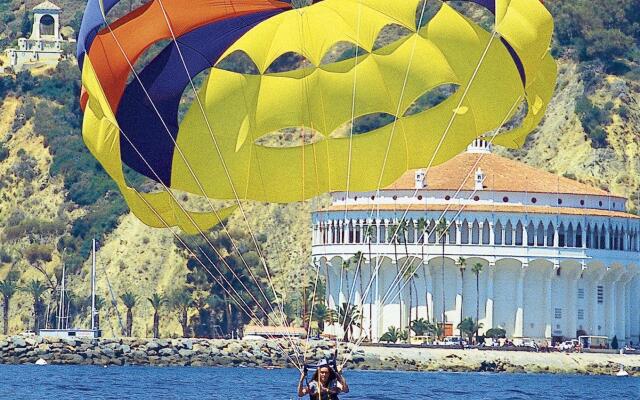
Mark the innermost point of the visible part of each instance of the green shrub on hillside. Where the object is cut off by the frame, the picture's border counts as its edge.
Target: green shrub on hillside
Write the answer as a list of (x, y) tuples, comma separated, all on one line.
[(593, 120)]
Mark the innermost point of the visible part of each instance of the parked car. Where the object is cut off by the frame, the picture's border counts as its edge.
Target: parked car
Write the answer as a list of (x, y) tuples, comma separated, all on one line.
[(568, 345), (453, 341)]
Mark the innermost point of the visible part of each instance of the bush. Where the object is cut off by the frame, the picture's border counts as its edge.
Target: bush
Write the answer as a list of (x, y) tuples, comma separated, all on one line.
[(38, 252), (592, 119), (4, 152), (5, 257), (496, 333)]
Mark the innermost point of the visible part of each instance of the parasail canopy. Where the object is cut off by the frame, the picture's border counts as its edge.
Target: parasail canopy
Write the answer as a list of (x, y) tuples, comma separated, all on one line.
[(218, 149)]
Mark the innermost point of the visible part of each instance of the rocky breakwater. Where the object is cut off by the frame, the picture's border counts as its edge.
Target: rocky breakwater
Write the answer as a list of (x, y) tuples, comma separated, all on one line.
[(161, 352)]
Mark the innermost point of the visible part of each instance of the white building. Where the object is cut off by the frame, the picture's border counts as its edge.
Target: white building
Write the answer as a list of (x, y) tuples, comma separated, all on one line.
[(559, 258), (45, 45)]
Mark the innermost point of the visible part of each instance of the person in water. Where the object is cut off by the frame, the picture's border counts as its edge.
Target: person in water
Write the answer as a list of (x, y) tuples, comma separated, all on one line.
[(325, 384)]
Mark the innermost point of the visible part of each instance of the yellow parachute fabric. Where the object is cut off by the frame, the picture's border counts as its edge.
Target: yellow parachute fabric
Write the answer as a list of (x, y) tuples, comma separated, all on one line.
[(102, 136), (241, 108), (219, 145)]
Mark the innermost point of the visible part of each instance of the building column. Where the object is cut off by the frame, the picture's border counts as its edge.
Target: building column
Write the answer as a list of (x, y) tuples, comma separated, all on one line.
[(492, 235), (584, 235), (611, 308), (627, 309), (548, 330), (556, 236), (458, 233), (621, 296), (504, 235), (429, 289), (459, 285), (572, 305), (488, 308), (519, 325)]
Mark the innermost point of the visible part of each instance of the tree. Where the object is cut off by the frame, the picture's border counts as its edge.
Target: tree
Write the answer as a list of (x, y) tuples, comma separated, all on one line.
[(129, 300), (347, 316), (157, 301), (468, 327), (462, 264), (392, 335), (422, 327), (181, 301), (441, 232), (476, 269), (8, 288), (496, 333), (36, 289), (614, 342), (409, 276), (320, 315)]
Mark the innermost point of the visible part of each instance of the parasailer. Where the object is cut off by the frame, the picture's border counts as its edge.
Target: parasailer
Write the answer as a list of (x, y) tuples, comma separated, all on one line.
[(327, 382), (131, 117)]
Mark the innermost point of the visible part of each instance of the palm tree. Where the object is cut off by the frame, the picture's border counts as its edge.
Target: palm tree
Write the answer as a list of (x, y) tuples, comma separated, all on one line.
[(129, 299), (469, 327), (8, 288), (347, 316), (462, 263), (392, 335), (36, 289), (409, 275), (422, 224), (320, 315), (157, 301), (421, 327), (441, 232), (181, 301), (476, 269)]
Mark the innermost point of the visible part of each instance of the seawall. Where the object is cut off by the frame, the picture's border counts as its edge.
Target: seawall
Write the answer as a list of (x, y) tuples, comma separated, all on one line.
[(268, 354)]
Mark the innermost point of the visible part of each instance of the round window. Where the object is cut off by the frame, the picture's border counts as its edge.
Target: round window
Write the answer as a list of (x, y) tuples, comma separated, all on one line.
[(505, 199), (534, 200)]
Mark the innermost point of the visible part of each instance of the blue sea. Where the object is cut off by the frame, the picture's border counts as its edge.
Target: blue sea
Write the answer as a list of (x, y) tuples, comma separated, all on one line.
[(141, 383)]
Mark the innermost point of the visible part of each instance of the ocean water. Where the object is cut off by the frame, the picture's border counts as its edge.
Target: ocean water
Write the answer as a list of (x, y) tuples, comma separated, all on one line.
[(92, 382)]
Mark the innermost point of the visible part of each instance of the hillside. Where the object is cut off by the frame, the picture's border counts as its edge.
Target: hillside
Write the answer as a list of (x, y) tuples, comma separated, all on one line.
[(54, 196)]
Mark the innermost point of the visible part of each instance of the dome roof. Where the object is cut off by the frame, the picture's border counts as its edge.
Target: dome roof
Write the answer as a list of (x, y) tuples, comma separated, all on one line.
[(501, 175), (46, 5)]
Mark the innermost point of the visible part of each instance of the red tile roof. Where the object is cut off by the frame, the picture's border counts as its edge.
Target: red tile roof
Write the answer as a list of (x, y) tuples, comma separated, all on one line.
[(502, 175)]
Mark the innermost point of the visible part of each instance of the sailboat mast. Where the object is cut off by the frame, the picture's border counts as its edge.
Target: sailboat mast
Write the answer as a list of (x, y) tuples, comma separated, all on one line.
[(93, 286)]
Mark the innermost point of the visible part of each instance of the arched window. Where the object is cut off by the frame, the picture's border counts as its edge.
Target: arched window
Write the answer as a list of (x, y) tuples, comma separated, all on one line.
[(431, 229), (540, 234), (486, 235), (464, 232), (562, 242), (411, 232), (531, 234), (551, 230), (589, 237), (579, 238), (382, 238), (351, 232), (508, 234), (497, 233), (453, 232), (519, 231), (358, 231), (475, 232), (603, 237), (47, 25), (622, 237), (373, 232), (570, 239), (596, 237)]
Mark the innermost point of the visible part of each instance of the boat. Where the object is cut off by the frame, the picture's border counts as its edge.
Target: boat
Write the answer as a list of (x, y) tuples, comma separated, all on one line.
[(622, 372), (41, 361), (62, 330)]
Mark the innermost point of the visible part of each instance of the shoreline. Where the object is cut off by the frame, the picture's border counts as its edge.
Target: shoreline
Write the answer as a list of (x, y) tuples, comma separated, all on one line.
[(267, 354)]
